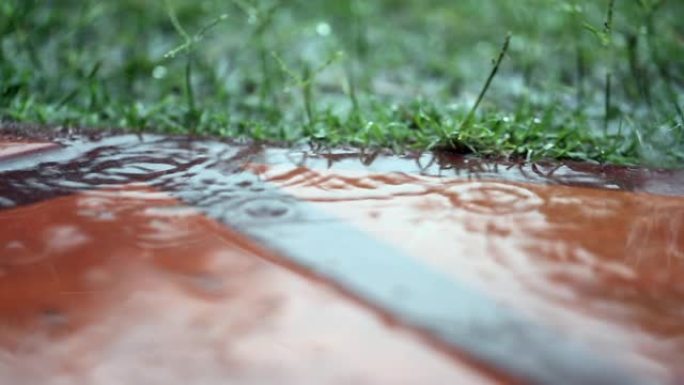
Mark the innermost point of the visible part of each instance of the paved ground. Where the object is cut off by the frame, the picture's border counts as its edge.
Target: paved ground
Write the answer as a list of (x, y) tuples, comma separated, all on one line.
[(158, 260)]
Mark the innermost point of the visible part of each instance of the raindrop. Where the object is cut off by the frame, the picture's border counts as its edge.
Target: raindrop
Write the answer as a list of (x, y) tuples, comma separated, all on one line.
[(261, 209), (159, 72), (323, 29), (266, 208), (494, 198)]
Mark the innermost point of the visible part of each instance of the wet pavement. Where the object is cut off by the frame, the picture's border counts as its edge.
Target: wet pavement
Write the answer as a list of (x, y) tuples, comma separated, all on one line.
[(12, 147), (164, 260)]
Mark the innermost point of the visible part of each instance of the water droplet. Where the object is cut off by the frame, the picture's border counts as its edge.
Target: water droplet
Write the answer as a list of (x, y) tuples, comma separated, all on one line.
[(64, 238), (494, 198), (266, 208), (261, 209), (159, 72), (323, 29)]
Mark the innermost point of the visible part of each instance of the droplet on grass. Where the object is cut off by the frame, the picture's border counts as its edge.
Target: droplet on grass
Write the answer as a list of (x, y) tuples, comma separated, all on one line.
[(323, 29), (159, 72)]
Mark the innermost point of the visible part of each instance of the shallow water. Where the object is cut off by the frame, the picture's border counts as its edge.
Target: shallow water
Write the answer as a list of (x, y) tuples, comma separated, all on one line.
[(126, 286), (481, 259), (601, 265)]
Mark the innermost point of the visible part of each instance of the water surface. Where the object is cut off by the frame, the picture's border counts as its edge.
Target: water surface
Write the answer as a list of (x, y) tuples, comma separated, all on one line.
[(564, 273)]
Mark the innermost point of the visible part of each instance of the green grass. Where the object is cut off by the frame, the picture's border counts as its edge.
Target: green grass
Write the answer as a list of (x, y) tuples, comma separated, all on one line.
[(589, 80)]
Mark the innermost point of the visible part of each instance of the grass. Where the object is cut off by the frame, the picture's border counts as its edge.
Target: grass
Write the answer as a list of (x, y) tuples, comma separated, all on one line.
[(577, 79)]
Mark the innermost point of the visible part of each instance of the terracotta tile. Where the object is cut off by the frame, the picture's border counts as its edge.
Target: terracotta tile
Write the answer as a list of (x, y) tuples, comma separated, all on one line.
[(128, 286), (605, 267)]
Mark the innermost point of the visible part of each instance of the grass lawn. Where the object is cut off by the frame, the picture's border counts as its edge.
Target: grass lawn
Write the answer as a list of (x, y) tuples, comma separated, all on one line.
[(576, 79)]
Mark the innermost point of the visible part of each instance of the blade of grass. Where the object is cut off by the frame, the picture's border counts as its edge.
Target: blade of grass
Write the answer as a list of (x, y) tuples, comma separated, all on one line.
[(488, 82), (72, 95)]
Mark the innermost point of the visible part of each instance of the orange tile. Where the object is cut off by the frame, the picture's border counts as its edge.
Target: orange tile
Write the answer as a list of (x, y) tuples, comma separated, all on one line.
[(128, 286), (606, 267)]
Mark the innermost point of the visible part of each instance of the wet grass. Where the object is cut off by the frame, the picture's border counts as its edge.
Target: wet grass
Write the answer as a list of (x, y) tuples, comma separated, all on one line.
[(588, 80)]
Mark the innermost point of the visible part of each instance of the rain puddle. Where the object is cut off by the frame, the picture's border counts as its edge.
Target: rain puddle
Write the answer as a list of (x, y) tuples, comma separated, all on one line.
[(164, 260)]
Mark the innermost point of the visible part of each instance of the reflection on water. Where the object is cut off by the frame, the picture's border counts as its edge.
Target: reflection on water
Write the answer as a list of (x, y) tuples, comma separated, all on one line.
[(120, 274), (153, 293), (605, 266)]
